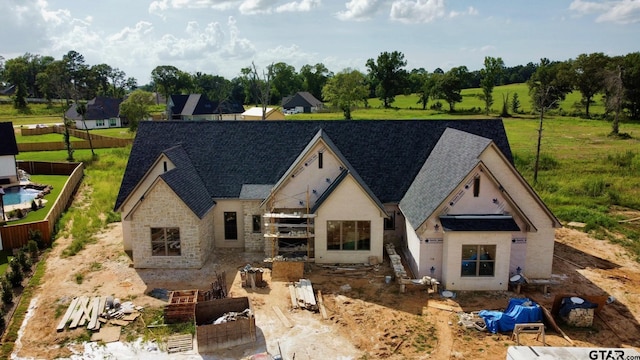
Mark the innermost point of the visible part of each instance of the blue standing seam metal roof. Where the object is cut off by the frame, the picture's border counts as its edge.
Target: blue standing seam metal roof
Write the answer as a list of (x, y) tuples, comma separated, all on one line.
[(225, 155), (478, 223)]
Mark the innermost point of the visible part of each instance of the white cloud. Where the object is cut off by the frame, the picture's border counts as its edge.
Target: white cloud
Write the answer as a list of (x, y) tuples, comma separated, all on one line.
[(295, 6), (622, 11), (252, 7), (159, 7), (238, 47), (417, 11), (359, 10), (470, 11)]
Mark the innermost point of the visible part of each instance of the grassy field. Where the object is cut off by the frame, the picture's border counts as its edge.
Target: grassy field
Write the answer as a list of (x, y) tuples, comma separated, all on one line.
[(53, 137)]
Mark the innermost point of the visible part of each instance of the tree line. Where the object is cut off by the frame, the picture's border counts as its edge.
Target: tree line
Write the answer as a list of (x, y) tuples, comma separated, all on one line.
[(617, 78)]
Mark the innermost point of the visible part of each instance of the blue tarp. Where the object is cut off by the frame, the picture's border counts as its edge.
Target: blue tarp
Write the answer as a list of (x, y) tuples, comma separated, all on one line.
[(518, 311)]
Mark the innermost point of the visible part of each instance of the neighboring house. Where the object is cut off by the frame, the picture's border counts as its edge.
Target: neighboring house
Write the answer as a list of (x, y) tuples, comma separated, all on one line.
[(102, 113), (8, 152), (9, 90), (198, 107), (444, 192), (301, 102), (255, 113)]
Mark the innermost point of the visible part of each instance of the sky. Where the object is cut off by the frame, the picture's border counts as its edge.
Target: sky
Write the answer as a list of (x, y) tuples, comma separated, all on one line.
[(220, 37)]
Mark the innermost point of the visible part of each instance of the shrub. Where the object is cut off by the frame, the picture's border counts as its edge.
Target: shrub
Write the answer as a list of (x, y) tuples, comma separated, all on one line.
[(623, 160), (36, 235), (32, 247), (7, 292), (594, 187), (15, 276), (23, 260), (2, 315)]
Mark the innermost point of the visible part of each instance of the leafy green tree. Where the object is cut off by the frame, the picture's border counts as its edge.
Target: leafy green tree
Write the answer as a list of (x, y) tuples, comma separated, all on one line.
[(388, 75), (589, 76), (170, 80), (56, 82), (425, 85), (548, 86), (345, 90), (215, 87), (314, 78), (286, 81), (449, 86), (490, 75), (614, 92), (136, 108), (515, 103), (631, 82), (16, 73)]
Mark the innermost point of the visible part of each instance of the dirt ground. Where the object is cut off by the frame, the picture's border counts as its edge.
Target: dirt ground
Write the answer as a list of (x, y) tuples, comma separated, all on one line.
[(371, 320)]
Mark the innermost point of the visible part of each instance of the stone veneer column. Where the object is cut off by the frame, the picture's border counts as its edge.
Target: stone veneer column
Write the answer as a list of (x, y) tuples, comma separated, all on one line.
[(253, 242)]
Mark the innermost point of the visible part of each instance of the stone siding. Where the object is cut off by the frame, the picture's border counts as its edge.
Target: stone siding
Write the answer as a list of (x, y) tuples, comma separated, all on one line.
[(162, 208), (253, 242)]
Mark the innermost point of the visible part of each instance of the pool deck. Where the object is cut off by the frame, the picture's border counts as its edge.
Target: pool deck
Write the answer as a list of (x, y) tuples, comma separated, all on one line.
[(23, 205)]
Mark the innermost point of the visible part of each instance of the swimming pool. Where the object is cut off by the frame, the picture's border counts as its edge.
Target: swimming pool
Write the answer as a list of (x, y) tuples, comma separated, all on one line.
[(18, 195)]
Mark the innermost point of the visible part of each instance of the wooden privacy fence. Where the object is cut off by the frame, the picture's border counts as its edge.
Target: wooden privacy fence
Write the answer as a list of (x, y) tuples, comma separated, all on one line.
[(97, 144), (16, 236), (98, 141)]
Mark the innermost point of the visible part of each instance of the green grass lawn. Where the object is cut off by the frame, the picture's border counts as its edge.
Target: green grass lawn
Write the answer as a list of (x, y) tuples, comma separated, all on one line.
[(5, 257), (122, 133), (57, 182), (53, 137)]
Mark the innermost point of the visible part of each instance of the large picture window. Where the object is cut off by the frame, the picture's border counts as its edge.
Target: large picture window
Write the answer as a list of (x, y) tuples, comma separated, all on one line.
[(348, 235), (478, 260), (230, 226), (165, 241)]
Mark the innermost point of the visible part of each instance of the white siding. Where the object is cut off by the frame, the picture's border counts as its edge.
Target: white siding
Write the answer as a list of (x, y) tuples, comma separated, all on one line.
[(228, 205), (307, 179), (8, 167), (348, 202), (452, 260)]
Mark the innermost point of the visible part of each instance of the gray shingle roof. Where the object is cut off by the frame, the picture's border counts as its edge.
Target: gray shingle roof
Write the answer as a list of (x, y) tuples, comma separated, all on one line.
[(302, 98), (453, 157), (186, 183), (8, 145), (98, 108), (387, 154)]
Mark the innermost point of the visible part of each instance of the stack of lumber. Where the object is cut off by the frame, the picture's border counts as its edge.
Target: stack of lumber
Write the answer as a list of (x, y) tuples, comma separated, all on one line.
[(302, 295), (83, 311)]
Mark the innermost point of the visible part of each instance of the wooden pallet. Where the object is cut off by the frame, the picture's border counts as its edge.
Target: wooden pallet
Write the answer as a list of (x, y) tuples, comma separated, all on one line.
[(179, 343)]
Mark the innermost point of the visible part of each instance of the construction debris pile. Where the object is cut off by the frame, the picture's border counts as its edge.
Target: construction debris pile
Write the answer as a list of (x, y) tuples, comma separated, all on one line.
[(96, 311), (302, 295), (252, 277), (233, 316), (396, 261)]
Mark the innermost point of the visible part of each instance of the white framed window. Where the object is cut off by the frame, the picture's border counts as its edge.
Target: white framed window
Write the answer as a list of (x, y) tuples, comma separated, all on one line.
[(478, 260)]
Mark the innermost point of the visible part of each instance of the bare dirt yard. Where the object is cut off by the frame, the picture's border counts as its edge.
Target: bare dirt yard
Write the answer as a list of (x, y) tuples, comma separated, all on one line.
[(368, 319)]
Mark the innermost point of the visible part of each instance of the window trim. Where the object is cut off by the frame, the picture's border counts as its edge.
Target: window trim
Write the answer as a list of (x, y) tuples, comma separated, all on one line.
[(100, 122), (478, 262)]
